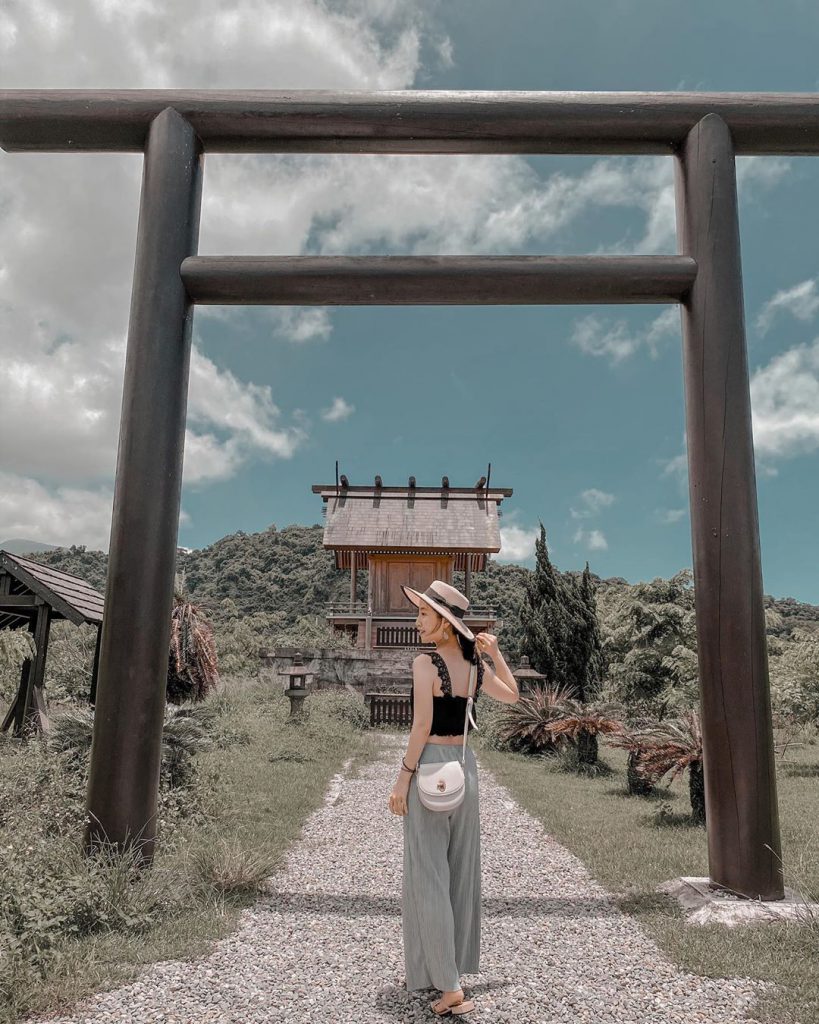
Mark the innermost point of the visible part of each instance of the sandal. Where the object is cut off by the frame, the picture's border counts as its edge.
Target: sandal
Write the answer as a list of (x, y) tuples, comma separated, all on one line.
[(465, 1006)]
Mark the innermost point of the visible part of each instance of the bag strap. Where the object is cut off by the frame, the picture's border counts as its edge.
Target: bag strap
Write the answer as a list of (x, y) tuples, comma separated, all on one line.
[(469, 702)]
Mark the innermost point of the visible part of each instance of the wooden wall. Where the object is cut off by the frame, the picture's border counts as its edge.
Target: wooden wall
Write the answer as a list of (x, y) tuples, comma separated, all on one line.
[(388, 572)]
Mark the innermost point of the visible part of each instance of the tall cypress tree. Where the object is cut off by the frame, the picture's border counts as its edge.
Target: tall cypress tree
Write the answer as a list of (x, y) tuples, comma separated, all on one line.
[(576, 652), (586, 661), (561, 627), (542, 617)]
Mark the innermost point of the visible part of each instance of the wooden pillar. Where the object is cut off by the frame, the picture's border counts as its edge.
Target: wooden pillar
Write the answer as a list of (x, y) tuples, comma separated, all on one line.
[(353, 579), (130, 699), (368, 624), (28, 712), (738, 756), (92, 696), (468, 579)]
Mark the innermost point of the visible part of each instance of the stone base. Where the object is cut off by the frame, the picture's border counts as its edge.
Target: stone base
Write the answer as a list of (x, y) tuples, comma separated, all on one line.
[(706, 905)]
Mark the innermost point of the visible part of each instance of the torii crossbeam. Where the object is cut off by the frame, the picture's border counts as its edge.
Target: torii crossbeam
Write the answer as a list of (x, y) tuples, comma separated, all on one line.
[(702, 131)]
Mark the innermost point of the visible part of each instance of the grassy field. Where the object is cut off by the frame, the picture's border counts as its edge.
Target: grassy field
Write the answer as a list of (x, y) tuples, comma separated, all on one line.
[(257, 785), (630, 844), (263, 776)]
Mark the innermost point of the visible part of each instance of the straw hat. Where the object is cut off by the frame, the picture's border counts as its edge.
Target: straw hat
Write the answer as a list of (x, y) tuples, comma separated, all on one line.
[(446, 600)]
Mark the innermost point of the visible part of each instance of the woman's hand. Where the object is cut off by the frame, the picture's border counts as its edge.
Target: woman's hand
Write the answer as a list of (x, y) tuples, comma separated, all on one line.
[(398, 797), (487, 643)]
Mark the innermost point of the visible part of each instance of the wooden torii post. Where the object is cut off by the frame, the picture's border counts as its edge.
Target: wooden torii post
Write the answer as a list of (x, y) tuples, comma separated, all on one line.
[(702, 131)]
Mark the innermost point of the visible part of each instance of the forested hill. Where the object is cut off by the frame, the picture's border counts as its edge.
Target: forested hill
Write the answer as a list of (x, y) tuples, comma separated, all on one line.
[(288, 571)]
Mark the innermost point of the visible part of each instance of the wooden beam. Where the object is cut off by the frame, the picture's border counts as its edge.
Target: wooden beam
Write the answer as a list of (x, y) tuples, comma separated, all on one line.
[(436, 280), (408, 121), (740, 778), (9, 601), (130, 699)]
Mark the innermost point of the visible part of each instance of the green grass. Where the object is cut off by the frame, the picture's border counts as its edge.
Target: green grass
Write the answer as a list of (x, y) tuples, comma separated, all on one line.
[(623, 844), (256, 786)]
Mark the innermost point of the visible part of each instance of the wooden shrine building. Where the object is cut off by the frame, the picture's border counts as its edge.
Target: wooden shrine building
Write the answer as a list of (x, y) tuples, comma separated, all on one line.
[(410, 535), (34, 595)]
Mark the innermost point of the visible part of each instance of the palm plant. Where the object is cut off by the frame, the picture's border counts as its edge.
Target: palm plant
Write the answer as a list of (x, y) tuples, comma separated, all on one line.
[(184, 733), (583, 723), (672, 746), (632, 740), (192, 664), (527, 724)]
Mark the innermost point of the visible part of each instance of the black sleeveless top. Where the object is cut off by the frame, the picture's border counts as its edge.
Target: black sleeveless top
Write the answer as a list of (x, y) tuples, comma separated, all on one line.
[(449, 711)]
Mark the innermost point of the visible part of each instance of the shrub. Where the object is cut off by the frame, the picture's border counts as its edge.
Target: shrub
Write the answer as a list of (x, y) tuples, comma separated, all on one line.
[(526, 726), (341, 705), (221, 867)]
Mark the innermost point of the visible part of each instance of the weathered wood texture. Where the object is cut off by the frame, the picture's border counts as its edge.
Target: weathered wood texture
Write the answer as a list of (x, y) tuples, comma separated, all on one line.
[(740, 778), (413, 121), (28, 710), (462, 561), (416, 571), (436, 280), (429, 522), (34, 595), (69, 597), (130, 697)]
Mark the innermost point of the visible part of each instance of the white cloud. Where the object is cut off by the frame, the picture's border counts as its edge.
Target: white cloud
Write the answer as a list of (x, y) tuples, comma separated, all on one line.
[(785, 404), (667, 516), (784, 413), (801, 301), (68, 229), (254, 44), (648, 184), (592, 501), (339, 410), (57, 515), (599, 336), (593, 539), (677, 465), (517, 542), (68, 222), (247, 411), (65, 515)]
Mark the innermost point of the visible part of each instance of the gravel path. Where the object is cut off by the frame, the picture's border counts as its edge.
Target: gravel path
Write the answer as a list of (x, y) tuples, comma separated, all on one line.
[(326, 944)]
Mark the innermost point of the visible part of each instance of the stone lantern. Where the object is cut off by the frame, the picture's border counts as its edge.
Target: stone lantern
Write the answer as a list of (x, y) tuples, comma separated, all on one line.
[(526, 675), (297, 691)]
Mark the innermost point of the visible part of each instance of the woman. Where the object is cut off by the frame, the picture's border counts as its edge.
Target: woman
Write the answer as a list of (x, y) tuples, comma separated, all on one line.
[(441, 898)]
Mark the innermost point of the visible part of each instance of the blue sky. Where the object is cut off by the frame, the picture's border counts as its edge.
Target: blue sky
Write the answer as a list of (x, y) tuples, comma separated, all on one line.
[(579, 409)]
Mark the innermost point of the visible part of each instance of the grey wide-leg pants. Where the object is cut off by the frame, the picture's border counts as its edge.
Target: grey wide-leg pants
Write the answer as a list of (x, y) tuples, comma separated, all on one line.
[(441, 890)]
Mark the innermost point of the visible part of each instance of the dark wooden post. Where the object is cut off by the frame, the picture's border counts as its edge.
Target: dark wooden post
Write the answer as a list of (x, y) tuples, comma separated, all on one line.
[(740, 780), (92, 695), (368, 622), (353, 579), (28, 712), (130, 699)]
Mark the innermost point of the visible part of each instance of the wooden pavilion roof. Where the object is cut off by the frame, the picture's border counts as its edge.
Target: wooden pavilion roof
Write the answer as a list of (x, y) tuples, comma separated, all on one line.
[(456, 520), (22, 581)]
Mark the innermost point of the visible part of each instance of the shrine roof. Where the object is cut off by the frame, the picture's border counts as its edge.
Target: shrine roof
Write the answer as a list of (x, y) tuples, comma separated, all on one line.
[(401, 518), (69, 596)]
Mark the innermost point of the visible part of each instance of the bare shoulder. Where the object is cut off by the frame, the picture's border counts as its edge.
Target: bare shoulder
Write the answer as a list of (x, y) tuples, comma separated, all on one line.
[(422, 663)]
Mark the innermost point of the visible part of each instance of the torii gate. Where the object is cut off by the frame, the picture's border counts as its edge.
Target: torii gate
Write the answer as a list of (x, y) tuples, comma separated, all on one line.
[(174, 128)]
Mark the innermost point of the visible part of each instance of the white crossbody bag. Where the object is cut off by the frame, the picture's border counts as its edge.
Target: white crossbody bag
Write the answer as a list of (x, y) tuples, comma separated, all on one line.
[(442, 786)]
